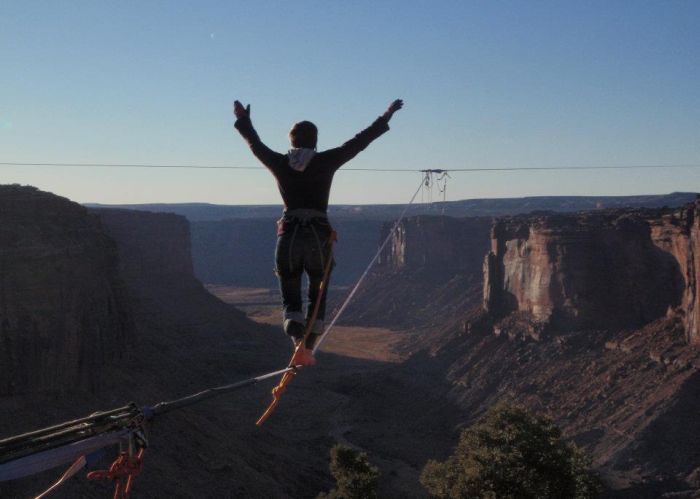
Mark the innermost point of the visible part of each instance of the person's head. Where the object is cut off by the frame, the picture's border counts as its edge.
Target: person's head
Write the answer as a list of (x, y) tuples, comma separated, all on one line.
[(303, 134)]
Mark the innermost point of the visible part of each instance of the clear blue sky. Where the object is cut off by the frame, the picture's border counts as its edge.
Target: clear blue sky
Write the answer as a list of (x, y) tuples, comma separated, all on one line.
[(486, 84)]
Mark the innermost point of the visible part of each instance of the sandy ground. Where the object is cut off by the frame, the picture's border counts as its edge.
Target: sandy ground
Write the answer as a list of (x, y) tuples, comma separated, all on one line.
[(262, 305)]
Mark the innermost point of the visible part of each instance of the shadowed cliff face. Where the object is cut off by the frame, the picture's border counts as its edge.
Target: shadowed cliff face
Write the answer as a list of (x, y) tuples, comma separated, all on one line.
[(240, 252), (429, 273), (63, 310), (156, 263), (152, 246), (61, 269), (437, 243), (590, 270)]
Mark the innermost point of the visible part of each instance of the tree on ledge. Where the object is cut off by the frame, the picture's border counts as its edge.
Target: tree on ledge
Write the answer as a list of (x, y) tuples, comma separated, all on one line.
[(511, 454), (355, 477)]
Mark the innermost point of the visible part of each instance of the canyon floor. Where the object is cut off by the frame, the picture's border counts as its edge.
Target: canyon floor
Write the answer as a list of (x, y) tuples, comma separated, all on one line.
[(347, 345), (370, 343)]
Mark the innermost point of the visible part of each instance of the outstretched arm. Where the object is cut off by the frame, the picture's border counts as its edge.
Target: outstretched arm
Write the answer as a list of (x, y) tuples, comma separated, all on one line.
[(267, 156), (343, 154)]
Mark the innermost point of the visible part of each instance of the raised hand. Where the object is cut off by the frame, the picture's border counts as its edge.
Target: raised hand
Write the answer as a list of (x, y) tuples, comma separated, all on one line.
[(393, 107), (239, 111)]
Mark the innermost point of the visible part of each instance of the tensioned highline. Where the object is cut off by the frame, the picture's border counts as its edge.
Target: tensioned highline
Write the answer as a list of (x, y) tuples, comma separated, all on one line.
[(481, 169)]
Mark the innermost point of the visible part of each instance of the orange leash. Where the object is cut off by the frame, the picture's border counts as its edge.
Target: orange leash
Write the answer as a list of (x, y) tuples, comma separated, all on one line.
[(277, 392), (287, 377)]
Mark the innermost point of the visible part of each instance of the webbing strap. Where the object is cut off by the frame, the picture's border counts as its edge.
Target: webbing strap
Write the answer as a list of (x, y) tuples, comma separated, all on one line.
[(164, 407), (58, 456)]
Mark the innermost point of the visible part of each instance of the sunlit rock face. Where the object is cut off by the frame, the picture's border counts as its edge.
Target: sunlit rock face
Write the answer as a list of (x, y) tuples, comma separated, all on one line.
[(63, 310), (588, 270), (678, 233)]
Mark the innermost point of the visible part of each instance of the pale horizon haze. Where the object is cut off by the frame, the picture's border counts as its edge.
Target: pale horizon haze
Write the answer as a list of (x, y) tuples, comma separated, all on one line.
[(486, 84)]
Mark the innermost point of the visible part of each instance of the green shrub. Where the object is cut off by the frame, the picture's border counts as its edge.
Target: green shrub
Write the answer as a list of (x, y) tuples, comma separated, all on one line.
[(355, 477), (511, 454)]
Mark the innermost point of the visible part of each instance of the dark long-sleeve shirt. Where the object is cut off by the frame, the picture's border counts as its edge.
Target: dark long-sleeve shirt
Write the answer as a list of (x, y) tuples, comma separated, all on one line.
[(310, 188)]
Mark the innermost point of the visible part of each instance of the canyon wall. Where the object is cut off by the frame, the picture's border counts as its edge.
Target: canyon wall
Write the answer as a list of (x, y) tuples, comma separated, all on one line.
[(234, 245), (438, 243), (169, 303), (78, 288), (595, 270), (63, 311), (240, 251), (678, 233), (429, 273), (153, 247)]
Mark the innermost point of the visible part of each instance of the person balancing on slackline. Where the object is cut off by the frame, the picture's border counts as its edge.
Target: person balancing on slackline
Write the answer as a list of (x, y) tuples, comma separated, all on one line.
[(304, 178)]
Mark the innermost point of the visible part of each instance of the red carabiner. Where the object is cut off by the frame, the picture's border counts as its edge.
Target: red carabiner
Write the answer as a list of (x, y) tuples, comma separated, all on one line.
[(122, 471)]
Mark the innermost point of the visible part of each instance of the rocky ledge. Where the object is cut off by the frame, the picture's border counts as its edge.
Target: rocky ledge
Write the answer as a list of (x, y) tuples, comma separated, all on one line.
[(594, 270)]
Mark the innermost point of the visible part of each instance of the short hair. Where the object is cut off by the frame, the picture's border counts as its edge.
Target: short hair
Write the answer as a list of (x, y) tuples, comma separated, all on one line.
[(303, 134)]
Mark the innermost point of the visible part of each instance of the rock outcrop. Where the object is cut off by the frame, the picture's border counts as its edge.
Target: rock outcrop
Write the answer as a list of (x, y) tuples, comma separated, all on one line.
[(428, 271), (156, 262), (678, 233), (594, 270), (63, 311), (153, 247), (438, 243)]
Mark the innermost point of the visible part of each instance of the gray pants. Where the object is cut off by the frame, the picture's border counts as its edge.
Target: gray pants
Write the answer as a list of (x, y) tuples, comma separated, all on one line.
[(303, 245)]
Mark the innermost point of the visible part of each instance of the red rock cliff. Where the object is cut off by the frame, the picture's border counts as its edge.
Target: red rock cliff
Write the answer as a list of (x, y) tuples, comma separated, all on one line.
[(63, 310), (587, 270), (678, 233)]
